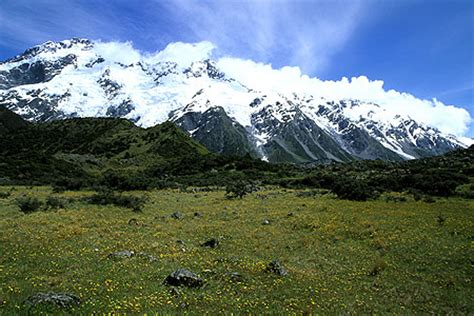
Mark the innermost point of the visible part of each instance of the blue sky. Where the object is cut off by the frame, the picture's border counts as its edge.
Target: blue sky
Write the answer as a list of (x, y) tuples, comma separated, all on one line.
[(424, 47)]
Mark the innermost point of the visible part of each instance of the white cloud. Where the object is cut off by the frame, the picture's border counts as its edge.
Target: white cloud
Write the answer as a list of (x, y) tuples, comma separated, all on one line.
[(183, 53), (122, 52), (447, 118)]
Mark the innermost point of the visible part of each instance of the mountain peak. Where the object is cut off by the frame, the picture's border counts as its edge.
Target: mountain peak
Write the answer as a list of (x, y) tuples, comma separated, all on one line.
[(206, 67), (51, 48), (80, 78)]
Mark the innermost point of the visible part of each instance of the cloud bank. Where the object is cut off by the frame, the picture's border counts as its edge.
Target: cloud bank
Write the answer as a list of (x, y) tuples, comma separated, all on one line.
[(448, 119)]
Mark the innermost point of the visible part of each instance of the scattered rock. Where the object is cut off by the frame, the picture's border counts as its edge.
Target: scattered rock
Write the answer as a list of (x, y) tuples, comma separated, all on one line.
[(290, 214), (183, 277), (211, 243), (197, 215), (145, 255), (177, 215), (277, 268), (133, 222), (266, 222), (235, 276), (181, 242), (62, 300), (121, 254)]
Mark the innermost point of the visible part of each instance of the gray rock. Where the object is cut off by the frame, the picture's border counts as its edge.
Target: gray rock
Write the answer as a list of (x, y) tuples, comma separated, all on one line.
[(277, 268), (197, 215), (121, 254), (211, 243), (177, 215), (183, 277), (147, 256), (235, 276), (265, 222), (62, 300), (133, 222)]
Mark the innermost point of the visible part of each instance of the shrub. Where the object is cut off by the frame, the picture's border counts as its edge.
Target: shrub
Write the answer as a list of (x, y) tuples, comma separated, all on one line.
[(69, 184), (108, 197), (54, 202), (352, 189), (29, 204), (4, 195), (125, 182), (239, 188)]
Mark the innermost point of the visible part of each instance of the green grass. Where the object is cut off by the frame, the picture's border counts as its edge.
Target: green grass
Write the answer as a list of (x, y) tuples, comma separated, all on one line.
[(329, 247)]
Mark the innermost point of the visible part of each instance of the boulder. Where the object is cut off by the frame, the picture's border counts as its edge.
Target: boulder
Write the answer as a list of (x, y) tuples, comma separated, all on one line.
[(277, 268), (63, 300), (211, 243), (177, 215), (183, 277), (121, 254)]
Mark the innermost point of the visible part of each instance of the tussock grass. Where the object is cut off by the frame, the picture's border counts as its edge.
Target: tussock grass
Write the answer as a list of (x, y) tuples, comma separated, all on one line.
[(341, 256)]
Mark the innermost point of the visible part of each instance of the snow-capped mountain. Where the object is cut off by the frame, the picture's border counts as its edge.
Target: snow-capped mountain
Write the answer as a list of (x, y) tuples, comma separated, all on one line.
[(75, 78)]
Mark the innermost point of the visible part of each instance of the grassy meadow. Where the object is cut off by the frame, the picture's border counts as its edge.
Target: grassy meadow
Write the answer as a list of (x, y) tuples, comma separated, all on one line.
[(376, 257)]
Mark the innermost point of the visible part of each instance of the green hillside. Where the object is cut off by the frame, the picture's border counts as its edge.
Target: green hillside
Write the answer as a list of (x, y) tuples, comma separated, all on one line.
[(88, 152)]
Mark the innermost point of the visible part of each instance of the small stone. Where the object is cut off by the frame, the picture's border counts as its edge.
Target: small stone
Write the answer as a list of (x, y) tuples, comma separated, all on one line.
[(197, 215), (290, 214), (211, 243), (266, 222), (145, 255), (133, 222), (181, 242), (62, 300), (177, 215), (277, 268), (121, 254), (235, 276), (183, 277)]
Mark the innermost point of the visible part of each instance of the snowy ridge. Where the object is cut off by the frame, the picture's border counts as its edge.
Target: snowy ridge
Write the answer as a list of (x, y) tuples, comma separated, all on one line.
[(82, 78)]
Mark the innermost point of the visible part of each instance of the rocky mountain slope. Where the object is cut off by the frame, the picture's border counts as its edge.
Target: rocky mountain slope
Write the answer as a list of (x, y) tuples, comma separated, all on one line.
[(74, 78)]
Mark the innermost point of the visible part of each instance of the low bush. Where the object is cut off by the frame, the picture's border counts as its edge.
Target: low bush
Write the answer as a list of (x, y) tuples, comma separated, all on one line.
[(239, 188), (108, 197), (353, 189), (69, 184), (28, 204), (54, 202), (4, 195)]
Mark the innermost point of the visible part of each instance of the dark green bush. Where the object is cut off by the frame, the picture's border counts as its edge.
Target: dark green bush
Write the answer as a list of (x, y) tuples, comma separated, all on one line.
[(352, 189), (54, 202), (239, 188), (125, 181), (4, 195), (108, 197), (69, 184), (28, 204)]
